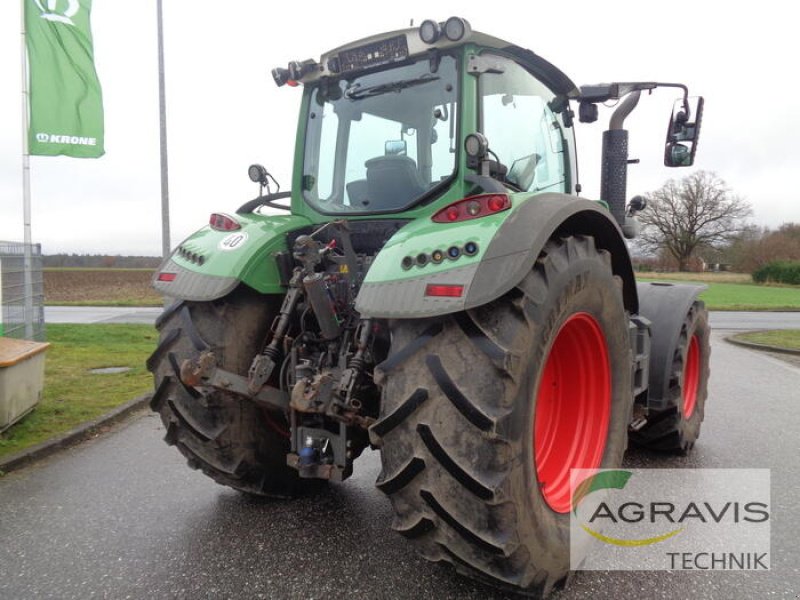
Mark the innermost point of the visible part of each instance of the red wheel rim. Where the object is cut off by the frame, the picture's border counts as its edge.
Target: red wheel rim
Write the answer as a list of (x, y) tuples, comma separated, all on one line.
[(691, 377), (573, 407)]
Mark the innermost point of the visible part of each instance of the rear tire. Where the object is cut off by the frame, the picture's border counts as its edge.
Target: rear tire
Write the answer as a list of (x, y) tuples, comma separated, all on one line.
[(677, 428), (230, 439), (463, 432)]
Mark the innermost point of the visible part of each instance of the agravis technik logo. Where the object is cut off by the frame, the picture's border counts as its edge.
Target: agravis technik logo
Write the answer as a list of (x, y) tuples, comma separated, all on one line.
[(612, 480), (642, 519)]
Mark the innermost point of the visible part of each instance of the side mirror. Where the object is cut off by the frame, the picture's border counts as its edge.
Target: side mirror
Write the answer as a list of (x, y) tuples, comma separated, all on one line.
[(395, 148), (683, 132)]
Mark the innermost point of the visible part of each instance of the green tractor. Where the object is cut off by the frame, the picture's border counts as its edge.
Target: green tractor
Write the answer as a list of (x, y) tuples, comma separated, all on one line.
[(438, 290)]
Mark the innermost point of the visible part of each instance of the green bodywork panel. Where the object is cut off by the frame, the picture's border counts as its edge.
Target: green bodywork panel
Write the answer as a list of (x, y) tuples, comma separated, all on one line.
[(250, 260), (425, 236)]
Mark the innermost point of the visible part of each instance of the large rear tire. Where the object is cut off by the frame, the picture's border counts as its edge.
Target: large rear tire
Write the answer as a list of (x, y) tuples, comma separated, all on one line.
[(485, 412), (676, 428), (230, 439)]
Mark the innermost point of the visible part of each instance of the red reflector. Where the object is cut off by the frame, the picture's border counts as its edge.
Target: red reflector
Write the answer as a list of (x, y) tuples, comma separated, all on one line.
[(473, 207), (222, 222), (442, 290), (167, 276), (292, 83)]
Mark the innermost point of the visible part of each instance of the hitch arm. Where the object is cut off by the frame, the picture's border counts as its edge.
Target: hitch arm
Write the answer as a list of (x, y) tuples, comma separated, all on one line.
[(203, 371)]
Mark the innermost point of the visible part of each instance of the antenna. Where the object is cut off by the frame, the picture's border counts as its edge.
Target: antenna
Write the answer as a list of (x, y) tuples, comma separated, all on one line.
[(412, 23)]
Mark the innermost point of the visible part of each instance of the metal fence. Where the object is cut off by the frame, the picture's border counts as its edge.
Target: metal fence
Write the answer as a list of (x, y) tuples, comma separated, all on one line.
[(12, 291)]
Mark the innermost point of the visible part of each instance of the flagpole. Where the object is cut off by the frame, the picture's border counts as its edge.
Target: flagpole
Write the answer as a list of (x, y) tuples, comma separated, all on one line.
[(162, 111), (26, 186)]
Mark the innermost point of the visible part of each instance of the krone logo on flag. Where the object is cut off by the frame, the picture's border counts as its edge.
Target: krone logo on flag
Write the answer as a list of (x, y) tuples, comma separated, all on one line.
[(60, 11)]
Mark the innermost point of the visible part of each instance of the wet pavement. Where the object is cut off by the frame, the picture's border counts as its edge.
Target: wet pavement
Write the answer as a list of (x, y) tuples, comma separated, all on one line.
[(123, 517), (90, 314)]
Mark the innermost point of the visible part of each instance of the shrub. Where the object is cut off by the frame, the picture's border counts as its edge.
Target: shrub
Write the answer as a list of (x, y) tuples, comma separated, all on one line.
[(779, 271)]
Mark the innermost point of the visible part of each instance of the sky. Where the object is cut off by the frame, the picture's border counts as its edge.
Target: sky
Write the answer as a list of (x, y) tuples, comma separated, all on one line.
[(224, 112)]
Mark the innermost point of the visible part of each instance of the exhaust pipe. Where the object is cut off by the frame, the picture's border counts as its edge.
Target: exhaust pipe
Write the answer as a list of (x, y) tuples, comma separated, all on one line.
[(614, 173)]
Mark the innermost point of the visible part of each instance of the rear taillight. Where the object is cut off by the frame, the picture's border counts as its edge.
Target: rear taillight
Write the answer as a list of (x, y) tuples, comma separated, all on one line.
[(473, 207), (167, 277), (222, 222)]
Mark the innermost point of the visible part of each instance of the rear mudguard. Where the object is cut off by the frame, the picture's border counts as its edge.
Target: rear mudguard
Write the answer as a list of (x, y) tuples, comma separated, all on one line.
[(508, 245), (209, 264), (665, 305)]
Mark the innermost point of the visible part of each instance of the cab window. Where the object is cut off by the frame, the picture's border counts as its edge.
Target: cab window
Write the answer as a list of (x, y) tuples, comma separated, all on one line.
[(524, 134)]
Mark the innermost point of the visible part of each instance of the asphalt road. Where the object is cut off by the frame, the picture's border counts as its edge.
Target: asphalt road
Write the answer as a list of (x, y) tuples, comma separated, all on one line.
[(720, 319), (123, 517), (89, 314), (105, 314)]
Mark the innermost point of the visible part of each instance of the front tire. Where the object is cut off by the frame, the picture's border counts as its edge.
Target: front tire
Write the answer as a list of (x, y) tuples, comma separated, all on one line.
[(481, 424), (229, 438)]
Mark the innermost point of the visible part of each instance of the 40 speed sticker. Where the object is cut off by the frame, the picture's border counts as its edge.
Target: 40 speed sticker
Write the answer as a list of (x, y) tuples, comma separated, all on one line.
[(233, 241)]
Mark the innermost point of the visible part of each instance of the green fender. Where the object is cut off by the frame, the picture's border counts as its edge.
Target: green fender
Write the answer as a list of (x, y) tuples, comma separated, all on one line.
[(513, 243)]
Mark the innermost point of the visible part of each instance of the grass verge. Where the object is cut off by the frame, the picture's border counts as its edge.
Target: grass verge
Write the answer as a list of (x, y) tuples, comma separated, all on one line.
[(782, 338), (72, 395), (723, 295)]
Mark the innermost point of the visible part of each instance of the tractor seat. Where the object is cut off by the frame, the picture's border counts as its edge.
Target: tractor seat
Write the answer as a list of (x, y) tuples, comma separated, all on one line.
[(392, 181)]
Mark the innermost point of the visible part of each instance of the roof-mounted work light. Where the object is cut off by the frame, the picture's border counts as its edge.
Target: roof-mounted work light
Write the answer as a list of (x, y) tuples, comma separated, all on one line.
[(430, 31), (455, 28)]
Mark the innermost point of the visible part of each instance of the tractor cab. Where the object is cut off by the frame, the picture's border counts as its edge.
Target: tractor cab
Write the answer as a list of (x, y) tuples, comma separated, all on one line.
[(384, 120), (400, 121)]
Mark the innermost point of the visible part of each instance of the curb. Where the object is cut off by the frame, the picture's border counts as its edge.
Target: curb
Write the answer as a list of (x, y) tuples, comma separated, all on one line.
[(72, 437), (763, 347)]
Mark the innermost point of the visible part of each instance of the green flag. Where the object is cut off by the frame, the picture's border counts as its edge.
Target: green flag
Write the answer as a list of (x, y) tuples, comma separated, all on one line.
[(66, 104)]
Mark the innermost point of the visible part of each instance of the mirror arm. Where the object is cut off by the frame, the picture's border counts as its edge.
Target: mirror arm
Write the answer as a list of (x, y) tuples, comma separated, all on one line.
[(685, 96), (614, 91)]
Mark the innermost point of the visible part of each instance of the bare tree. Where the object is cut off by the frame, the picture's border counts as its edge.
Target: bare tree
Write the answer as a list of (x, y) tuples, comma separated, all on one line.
[(759, 246), (686, 215)]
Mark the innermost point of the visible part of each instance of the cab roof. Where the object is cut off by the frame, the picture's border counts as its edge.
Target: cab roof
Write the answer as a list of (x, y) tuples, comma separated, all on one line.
[(330, 63)]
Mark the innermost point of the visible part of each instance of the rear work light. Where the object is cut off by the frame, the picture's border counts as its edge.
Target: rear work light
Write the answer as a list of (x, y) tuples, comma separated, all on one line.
[(222, 222), (473, 207), (442, 290)]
